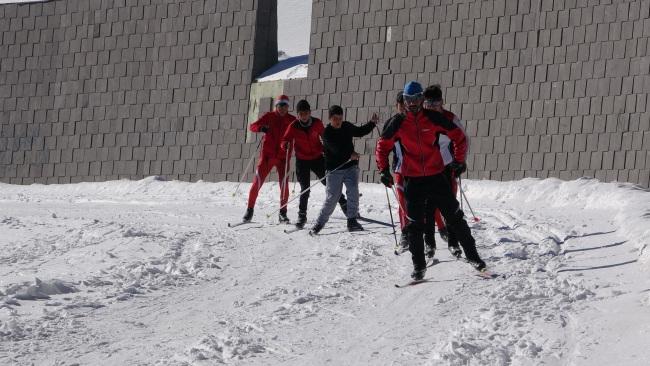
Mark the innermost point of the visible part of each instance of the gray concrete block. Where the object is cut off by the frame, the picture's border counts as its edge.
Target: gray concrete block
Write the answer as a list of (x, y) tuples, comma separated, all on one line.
[(608, 160), (591, 142)]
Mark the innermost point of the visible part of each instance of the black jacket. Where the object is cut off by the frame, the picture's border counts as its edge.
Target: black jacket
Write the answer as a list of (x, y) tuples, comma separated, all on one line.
[(339, 146)]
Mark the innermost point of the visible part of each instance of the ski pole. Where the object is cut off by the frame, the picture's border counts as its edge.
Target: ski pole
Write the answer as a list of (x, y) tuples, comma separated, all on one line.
[(247, 166), (390, 210), (285, 181), (397, 198), (293, 191), (476, 219), (303, 192)]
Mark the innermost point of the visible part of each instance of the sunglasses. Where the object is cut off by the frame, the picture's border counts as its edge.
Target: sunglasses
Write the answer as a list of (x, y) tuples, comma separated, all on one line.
[(413, 97), (431, 103)]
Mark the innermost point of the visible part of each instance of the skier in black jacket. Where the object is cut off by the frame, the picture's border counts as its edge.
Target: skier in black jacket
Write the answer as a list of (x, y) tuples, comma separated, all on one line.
[(342, 165)]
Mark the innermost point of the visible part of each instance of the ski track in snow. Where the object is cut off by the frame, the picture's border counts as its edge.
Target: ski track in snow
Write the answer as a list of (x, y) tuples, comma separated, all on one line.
[(159, 279)]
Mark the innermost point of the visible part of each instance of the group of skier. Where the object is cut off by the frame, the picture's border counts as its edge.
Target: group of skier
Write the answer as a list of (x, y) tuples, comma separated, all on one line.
[(429, 146)]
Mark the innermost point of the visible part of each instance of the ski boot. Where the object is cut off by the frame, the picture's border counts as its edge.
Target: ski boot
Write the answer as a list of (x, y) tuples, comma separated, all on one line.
[(455, 251), (315, 229), (302, 220), (404, 239), (282, 217), (418, 275), (249, 215), (478, 265), (354, 225), (403, 245)]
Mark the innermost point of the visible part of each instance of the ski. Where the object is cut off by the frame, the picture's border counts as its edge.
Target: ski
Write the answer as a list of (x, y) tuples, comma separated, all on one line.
[(483, 273), (374, 221), (238, 223), (412, 283), (399, 250), (292, 230), (365, 219), (486, 275)]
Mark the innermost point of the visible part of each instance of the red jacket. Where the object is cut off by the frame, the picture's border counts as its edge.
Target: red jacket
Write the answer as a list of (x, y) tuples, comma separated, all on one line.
[(418, 134), (308, 143), (271, 142)]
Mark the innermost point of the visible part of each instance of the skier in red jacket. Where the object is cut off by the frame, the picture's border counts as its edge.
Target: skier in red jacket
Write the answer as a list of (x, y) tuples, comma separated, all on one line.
[(429, 232), (305, 135), (433, 100), (422, 167), (273, 124)]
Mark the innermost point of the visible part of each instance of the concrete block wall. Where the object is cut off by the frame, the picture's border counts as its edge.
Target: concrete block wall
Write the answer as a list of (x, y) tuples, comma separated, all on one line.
[(94, 90), (545, 88)]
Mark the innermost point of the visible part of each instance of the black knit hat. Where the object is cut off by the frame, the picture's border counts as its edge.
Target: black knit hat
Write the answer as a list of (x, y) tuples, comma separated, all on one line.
[(303, 105)]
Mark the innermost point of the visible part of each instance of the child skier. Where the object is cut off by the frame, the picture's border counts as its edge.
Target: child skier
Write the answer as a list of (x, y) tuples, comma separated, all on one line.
[(342, 164)]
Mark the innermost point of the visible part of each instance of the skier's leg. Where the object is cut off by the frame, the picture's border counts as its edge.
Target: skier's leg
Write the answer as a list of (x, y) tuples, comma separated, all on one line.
[(452, 239), (415, 192), (333, 191), (429, 228), (449, 207), (440, 222), (351, 181), (263, 169), (283, 180), (399, 185), (302, 174), (401, 210), (318, 167)]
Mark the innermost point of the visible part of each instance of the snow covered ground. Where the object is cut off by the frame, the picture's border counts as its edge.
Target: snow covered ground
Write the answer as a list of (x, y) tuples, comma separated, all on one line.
[(147, 272)]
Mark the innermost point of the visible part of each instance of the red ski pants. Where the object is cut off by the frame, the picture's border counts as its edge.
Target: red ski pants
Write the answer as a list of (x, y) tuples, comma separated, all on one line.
[(399, 184), (263, 169)]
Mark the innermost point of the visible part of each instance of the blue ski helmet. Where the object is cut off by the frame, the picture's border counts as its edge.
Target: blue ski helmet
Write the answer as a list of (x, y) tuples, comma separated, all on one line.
[(412, 88)]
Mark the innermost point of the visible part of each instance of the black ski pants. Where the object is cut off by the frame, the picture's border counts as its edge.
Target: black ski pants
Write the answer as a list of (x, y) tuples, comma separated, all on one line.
[(303, 173), (452, 240), (438, 190)]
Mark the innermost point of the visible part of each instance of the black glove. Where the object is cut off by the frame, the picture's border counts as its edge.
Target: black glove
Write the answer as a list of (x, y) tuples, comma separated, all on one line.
[(264, 129), (457, 168), (387, 178)]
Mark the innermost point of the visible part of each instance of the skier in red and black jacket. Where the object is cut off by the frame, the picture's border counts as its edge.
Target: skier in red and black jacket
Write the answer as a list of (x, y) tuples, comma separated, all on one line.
[(422, 167), (305, 135), (433, 100), (273, 124), (429, 232)]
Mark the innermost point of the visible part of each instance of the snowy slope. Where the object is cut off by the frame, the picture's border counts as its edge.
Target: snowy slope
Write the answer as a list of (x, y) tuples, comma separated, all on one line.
[(160, 279)]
